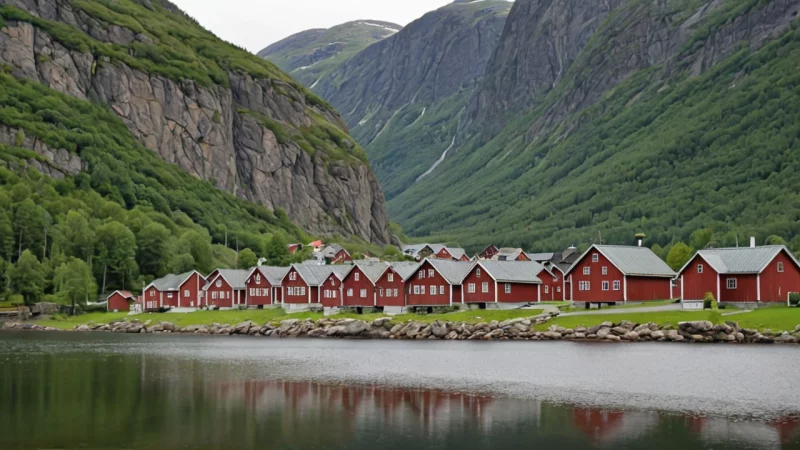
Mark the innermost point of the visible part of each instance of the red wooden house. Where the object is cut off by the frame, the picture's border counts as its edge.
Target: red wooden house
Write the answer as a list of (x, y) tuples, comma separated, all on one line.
[(174, 291), (391, 285), (741, 275), (227, 289), (436, 282), (263, 286), (615, 273), (502, 282), (312, 285), (120, 301), (488, 252), (452, 253), (335, 254), (359, 284), (511, 254), (552, 284), (294, 248)]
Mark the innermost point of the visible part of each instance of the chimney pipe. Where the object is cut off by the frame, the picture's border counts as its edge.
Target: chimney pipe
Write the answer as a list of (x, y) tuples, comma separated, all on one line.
[(639, 239), (752, 242)]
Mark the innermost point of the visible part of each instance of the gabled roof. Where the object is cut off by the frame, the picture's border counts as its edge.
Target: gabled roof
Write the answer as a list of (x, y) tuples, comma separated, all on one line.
[(507, 253), (332, 250), (632, 260), (743, 260), (452, 271), (236, 278), (456, 252), (273, 274), (125, 294), (513, 271), (170, 282), (415, 249), (541, 257), (315, 275), (404, 268), (372, 270)]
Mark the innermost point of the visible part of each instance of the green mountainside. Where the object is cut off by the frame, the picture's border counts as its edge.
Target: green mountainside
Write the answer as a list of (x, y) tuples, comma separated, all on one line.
[(310, 55), (134, 143), (662, 117)]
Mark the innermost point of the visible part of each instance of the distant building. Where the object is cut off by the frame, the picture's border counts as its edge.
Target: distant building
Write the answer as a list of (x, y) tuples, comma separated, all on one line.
[(120, 301), (510, 254), (488, 252)]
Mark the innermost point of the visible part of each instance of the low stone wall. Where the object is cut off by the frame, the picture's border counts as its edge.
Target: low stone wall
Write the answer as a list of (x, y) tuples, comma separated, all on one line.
[(513, 329)]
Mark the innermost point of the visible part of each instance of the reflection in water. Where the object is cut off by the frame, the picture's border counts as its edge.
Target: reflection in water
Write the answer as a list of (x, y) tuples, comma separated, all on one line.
[(105, 397)]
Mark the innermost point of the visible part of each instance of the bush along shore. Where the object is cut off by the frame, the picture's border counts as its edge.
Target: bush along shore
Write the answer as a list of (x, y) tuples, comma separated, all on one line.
[(521, 329)]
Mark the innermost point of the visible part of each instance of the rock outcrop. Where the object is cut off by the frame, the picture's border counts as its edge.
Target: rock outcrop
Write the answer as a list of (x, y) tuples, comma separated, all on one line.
[(244, 136)]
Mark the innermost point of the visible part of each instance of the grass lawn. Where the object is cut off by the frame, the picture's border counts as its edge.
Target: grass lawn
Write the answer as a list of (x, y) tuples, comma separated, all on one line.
[(774, 318), (65, 322)]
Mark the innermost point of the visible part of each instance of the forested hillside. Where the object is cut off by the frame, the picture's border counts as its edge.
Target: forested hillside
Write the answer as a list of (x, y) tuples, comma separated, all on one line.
[(134, 143), (667, 118)]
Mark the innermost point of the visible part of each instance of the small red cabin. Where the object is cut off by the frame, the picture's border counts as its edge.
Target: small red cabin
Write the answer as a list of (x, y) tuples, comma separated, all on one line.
[(502, 282), (615, 273), (263, 286), (452, 253), (511, 254), (488, 252), (120, 301), (741, 275), (391, 285), (309, 284), (436, 282), (174, 291), (358, 286), (227, 289)]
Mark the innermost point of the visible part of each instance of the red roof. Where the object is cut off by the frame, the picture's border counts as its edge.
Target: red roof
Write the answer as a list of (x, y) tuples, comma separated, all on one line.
[(316, 244)]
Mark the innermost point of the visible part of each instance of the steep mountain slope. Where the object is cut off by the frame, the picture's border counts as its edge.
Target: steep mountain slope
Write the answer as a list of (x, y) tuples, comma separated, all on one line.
[(665, 117), (312, 54), (210, 108), (403, 97)]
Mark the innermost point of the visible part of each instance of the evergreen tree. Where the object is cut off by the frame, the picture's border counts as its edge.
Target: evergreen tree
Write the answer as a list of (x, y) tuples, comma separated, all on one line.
[(27, 278)]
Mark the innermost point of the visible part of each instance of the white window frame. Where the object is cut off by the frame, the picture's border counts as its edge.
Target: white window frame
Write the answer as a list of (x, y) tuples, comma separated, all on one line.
[(432, 290), (595, 257), (390, 277), (617, 285), (395, 293), (441, 290), (356, 276), (471, 288), (478, 272), (380, 292), (606, 286), (416, 290), (485, 287), (780, 267), (699, 268), (421, 275), (293, 276), (732, 283), (169, 294), (604, 270), (508, 288), (213, 295), (363, 293), (430, 273), (350, 292), (587, 270), (258, 279), (546, 289), (186, 293)]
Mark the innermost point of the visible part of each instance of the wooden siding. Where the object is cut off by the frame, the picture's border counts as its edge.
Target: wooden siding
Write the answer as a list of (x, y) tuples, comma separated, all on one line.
[(351, 289), (595, 279), (294, 284), (331, 293), (475, 282), (425, 298), (259, 290), (746, 288), (552, 286), (383, 285), (189, 294), (776, 286), (643, 289), (152, 299), (220, 294), (520, 293), (695, 285), (118, 302)]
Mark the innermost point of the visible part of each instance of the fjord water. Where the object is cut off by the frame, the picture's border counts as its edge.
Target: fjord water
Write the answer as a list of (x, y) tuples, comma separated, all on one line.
[(109, 391)]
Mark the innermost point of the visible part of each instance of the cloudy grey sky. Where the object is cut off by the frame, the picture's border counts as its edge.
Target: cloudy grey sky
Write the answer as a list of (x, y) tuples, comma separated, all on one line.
[(254, 24)]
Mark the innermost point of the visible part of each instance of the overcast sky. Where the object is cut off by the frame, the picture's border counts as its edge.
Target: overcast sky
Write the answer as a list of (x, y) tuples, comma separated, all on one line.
[(254, 24)]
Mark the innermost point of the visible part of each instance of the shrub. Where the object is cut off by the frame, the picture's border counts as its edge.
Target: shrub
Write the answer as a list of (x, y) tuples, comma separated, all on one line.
[(709, 302), (794, 298)]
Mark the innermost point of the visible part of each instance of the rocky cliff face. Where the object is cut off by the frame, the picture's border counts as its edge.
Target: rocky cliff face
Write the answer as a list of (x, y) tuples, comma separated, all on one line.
[(246, 137)]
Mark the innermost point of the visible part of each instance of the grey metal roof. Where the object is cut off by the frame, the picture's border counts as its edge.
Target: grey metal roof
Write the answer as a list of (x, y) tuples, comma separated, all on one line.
[(634, 261), (273, 274), (452, 271), (171, 282), (742, 259), (316, 275), (456, 252), (507, 253), (372, 270), (237, 278), (415, 249), (331, 250), (513, 271), (541, 257), (405, 268)]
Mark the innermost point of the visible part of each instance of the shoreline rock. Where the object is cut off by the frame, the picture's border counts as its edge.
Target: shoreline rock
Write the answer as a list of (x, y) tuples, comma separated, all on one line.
[(513, 329)]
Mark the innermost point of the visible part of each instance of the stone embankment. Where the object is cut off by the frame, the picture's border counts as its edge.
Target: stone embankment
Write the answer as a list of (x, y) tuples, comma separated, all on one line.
[(513, 329)]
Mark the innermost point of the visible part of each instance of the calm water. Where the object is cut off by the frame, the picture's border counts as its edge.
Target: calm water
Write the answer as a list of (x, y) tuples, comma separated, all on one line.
[(104, 391)]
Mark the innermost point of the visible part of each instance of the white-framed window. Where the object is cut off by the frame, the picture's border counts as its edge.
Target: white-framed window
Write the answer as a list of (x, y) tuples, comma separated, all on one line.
[(213, 295), (430, 273), (546, 289), (617, 285), (356, 276), (432, 290), (363, 293), (265, 292), (595, 257), (292, 275), (471, 288), (258, 279), (251, 292), (380, 292), (731, 283), (584, 286), (303, 290), (478, 272), (169, 294), (219, 283), (508, 288), (605, 285), (395, 293), (587, 270), (416, 290), (349, 292), (441, 290), (485, 287), (604, 271), (780, 267), (699, 268), (152, 293), (421, 274), (558, 288), (334, 294), (390, 277), (186, 291)]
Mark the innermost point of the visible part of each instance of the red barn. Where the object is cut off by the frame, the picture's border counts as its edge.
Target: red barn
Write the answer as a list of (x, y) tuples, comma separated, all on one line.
[(502, 282), (120, 301), (263, 286), (437, 282), (391, 285), (227, 289), (741, 275), (174, 291), (616, 273), (358, 286), (307, 285)]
